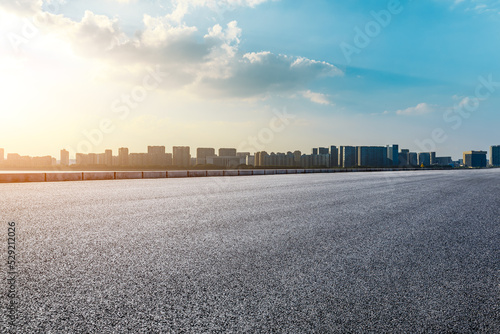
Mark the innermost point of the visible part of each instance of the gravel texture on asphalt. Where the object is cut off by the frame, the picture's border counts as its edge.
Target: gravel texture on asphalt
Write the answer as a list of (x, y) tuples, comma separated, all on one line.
[(403, 252)]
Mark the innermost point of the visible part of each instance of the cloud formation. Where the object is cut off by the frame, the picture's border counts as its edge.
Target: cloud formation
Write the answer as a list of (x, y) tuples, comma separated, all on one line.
[(419, 109), (316, 97), (207, 63)]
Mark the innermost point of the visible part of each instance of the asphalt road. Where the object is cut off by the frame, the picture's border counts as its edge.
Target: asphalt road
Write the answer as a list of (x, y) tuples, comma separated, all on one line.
[(324, 253)]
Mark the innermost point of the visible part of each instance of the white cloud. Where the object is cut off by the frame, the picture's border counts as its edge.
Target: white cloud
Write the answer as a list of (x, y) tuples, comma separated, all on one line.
[(419, 109), (208, 63), (478, 6), (316, 97), (182, 7)]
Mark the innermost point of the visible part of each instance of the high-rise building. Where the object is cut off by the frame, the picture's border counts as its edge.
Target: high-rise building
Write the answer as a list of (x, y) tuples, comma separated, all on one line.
[(334, 156), (64, 158), (202, 153), (123, 156), (296, 158), (2, 154), (475, 158), (156, 156), (227, 152), (424, 158), (349, 156), (314, 151), (404, 157), (341, 156), (392, 155), (181, 156), (495, 155), (413, 159), (372, 156), (432, 158), (108, 157), (323, 150)]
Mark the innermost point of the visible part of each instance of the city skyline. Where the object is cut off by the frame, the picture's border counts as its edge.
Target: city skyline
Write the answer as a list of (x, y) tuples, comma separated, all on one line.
[(97, 75), (330, 157)]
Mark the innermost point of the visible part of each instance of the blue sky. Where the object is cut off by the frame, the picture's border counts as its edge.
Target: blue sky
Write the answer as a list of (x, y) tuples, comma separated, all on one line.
[(412, 77)]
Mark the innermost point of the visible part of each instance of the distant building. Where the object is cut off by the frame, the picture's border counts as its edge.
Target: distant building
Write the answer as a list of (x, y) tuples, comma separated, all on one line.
[(138, 159), (404, 158), (334, 156), (202, 153), (156, 156), (424, 158), (41, 161), (64, 158), (2, 154), (296, 158), (494, 155), (108, 157), (372, 156), (314, 151), (250, 160), (413, 159), (432, 158), (227, 152), (226, 161), (123, 156), (475, 159), (392, 155), (341, 156), (181, 156), (260, 158), (323, 150), (443, 161), (349, 156)]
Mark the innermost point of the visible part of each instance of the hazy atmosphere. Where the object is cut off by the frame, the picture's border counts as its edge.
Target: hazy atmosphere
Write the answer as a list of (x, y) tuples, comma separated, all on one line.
[(422, 74)]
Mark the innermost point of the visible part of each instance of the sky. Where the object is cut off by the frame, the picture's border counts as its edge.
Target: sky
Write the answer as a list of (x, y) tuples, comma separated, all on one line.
[(273, 75)]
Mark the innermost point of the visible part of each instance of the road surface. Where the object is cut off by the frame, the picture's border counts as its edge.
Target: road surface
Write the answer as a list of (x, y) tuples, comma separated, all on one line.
[(359, 252)]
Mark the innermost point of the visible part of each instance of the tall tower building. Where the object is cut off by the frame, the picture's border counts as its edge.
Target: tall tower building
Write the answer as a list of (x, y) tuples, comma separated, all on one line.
[(64, 158), (349, 156), (202, 153), (341, 156), (123, 156), (404, 157), (108, 157), (334, 156), (181, 156), (495, 155), (392, 155)]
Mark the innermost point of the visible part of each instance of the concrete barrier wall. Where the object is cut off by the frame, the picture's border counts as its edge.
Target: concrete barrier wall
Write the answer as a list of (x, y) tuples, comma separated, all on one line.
[(197, 173), (128, 175), (98, 175), (78, 176), (215, 173), (154, 175), (22, 177), (177, 173), (52, 177)]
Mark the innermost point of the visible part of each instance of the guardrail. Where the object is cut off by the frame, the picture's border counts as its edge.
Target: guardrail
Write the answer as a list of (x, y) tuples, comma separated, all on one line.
[(121, 175)]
